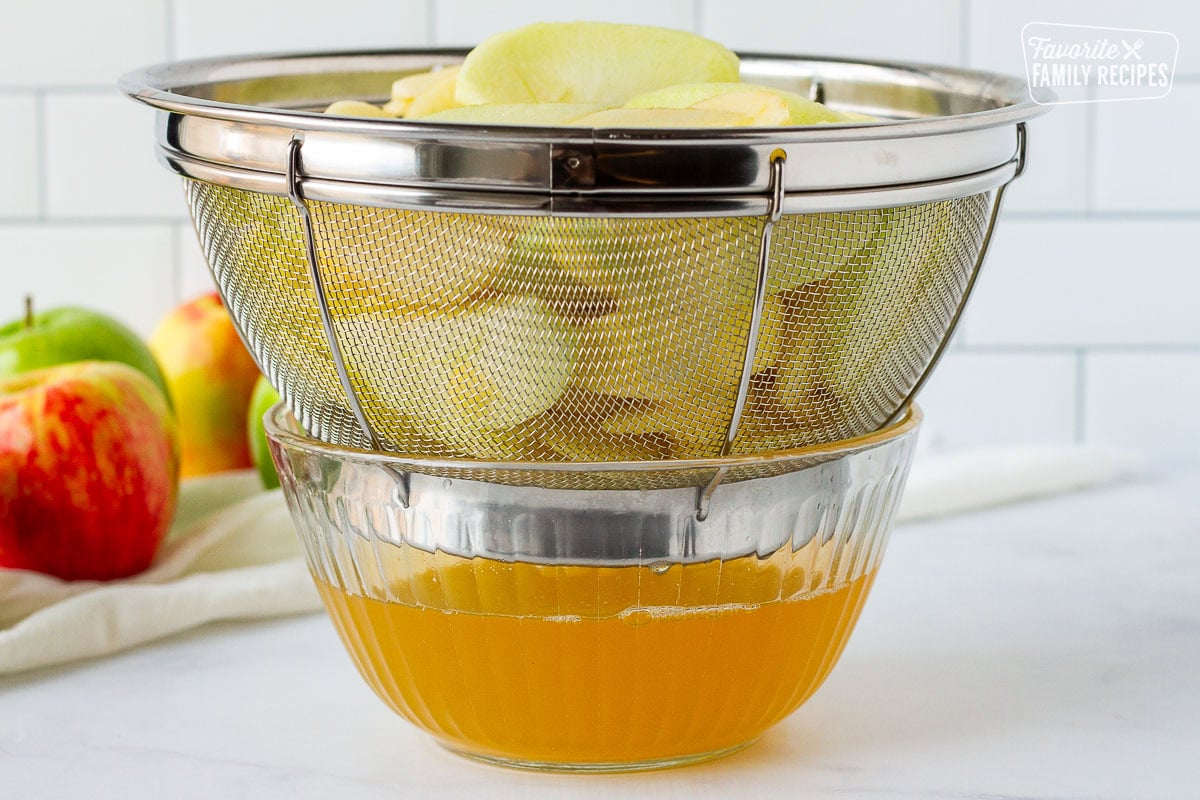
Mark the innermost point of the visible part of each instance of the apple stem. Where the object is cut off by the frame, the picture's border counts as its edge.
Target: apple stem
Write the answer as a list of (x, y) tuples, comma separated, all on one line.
[(28, 311)]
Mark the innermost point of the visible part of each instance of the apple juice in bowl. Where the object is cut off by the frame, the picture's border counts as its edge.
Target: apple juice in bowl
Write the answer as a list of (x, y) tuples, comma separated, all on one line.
[(585, 616)]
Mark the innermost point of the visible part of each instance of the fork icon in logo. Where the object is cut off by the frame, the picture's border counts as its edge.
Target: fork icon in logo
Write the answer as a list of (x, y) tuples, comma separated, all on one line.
[(1132, 49)]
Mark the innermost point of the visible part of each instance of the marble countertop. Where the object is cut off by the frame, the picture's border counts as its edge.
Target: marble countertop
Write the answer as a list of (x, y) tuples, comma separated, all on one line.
[(1044, 650)]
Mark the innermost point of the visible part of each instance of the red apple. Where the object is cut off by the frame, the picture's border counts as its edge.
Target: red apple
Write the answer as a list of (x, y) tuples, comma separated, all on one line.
[(89, 470)]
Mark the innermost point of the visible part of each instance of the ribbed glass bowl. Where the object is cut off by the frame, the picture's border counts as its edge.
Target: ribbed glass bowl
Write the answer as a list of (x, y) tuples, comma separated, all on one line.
[(594, 629)]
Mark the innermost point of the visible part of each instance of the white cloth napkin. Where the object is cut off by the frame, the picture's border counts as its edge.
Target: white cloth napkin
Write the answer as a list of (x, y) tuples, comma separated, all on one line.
[(233, 554), (941, 484)]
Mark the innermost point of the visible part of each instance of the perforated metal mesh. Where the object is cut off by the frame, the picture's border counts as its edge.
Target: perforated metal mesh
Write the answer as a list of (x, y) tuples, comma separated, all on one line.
[(532, 338)]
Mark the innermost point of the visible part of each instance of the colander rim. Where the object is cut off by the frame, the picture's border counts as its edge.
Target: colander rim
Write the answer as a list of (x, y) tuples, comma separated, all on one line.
[(156, 85), (207, 133), (279, 415)]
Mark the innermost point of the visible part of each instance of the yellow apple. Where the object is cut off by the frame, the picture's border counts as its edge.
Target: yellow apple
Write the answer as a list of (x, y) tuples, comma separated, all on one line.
[(211, 377)]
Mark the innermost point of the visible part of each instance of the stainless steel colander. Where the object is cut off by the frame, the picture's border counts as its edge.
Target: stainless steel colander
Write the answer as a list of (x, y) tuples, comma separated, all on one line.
[(560, 294)]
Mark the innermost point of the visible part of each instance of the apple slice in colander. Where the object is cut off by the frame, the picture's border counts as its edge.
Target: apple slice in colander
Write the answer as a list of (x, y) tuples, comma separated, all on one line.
[(588, 62), (464, 375)]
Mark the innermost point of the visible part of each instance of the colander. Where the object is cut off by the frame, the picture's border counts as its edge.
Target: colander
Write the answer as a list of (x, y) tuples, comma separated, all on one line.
[(565, 294)]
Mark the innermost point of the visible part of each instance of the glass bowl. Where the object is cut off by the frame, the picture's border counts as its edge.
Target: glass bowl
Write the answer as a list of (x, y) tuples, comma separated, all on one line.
[(594, 617)]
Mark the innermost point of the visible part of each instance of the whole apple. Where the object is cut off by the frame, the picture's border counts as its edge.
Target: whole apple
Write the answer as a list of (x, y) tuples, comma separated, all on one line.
[(211, 376), (67, 334), (89, 470)]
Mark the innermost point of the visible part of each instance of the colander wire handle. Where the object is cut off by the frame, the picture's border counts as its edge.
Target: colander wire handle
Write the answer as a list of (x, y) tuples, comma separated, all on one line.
[(296, 195), (966, 295), (774, 213)]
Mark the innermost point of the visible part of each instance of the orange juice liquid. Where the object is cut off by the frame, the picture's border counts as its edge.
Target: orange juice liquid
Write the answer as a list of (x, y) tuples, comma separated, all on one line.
[(597, 665)]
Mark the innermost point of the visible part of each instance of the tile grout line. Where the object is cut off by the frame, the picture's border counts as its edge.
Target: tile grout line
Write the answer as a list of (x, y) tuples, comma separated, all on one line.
[(47, 221), (1089, 154), (1129, 215), (698, 17), (41, 155), (66, 88), (964, 32), (177, 257), (430, 22), (1081, 395), (1184, 348), (169, 28)]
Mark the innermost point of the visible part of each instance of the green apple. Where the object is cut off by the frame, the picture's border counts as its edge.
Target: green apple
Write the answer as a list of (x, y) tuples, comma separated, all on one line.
[(263, 398), (588, 62), (69, 334)]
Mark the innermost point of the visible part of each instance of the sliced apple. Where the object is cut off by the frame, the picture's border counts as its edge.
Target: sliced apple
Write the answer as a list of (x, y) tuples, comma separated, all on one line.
[(801, 110), (588, 62), (759, 109), (465, 375), (438, 96), (812, 247), (661, 118), (400, 262), (516, 113), (854, 116), (407, 89), (357, 108)]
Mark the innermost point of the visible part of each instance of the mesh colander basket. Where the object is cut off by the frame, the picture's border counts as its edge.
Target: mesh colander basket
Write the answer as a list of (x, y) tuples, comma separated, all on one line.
[(557, 294)]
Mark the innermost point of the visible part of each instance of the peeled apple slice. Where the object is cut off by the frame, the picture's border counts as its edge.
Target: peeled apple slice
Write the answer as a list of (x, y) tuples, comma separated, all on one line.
[(661, 118), (469, 374), (854, 116), (801, 110), (400, 262), (438, 96), (588, 62), (756, 108), (357, 108), (405, 90), (516, 113)]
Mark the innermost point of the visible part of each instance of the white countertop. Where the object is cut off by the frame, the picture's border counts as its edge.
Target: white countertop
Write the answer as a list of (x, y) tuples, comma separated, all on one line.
[(1046, 650)]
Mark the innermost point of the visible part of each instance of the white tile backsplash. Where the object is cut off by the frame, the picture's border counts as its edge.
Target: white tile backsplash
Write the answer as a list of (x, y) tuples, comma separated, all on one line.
[(467, 22), (78, 42), (19, 188), (125, 270), (996, 398), (1085, 310), (194, 276), (913, 30), (222, 27), (995, 27), (1056, 174), (1145, 401), (105, 168), (1082, 283), (1146, 155)]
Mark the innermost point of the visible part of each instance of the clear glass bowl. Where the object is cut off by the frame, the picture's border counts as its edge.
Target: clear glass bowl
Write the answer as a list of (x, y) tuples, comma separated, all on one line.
[(605, 625)]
